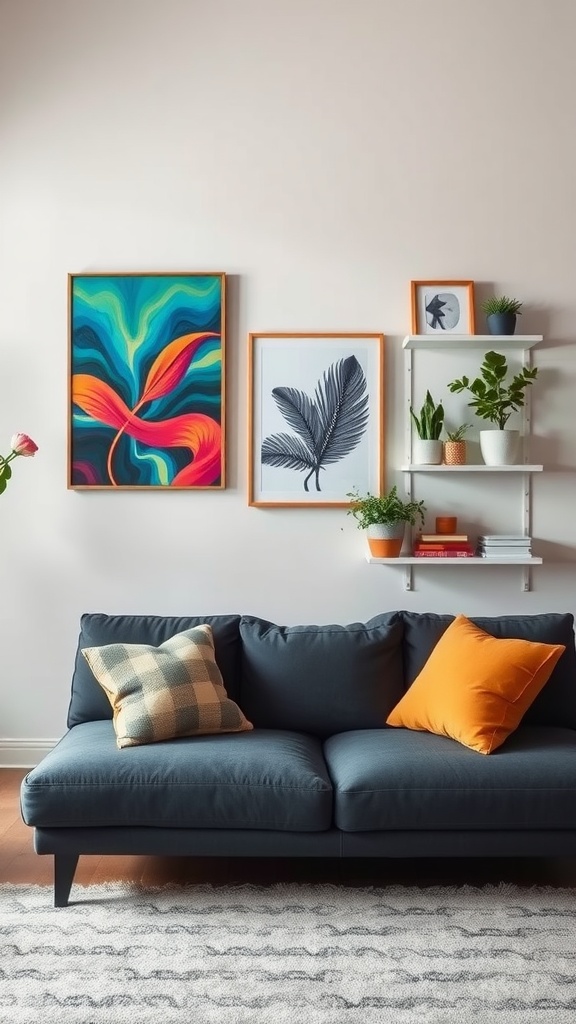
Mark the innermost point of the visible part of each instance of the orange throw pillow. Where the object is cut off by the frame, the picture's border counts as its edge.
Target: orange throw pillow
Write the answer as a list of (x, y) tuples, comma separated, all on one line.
[(475, 688)]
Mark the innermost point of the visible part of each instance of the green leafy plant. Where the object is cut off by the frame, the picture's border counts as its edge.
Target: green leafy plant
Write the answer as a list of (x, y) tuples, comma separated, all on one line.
[(369, 509), (493, 398), (501, 304), (459, 433), (431, 419)]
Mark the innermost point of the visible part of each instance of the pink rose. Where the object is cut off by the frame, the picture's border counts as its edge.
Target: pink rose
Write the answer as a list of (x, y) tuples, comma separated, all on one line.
[(21, 444)]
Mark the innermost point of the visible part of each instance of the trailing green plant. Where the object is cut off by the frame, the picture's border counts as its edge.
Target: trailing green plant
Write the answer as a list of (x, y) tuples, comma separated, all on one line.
[(459, 433), (369, 509), (501, 304), (493, 398), (431, 419)]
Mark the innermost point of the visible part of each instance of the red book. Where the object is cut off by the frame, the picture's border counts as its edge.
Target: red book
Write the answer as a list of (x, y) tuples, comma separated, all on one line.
[(444, 547), (443, 554)]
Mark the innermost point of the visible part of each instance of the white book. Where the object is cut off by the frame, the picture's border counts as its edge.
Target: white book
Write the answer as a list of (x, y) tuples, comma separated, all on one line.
[(504, 538)]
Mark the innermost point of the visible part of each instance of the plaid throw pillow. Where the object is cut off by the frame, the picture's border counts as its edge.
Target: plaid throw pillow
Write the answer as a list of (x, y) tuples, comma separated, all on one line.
[(160, 693)]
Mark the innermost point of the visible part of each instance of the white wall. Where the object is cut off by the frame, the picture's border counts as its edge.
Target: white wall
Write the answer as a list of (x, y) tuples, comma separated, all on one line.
[(323, 153)]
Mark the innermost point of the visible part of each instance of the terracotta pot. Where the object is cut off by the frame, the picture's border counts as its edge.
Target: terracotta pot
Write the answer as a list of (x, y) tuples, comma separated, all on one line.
[(385, 541), (446, 524), (455, 453)]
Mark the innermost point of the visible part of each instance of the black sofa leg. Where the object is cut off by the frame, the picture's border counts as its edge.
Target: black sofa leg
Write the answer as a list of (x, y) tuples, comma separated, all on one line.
[(64, 868)]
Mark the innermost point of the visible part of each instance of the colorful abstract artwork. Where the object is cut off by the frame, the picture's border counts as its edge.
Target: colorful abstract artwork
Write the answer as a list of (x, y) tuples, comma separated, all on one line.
[(146, 380)]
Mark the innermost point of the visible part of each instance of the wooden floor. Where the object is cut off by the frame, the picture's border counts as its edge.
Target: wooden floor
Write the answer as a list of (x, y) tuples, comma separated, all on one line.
[(19, 864)]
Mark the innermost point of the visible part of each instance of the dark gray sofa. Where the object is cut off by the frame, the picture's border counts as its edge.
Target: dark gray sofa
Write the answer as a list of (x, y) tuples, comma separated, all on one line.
[(320, 775)]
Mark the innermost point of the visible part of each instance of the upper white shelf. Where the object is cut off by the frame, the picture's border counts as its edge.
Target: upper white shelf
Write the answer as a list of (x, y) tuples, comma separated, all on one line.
[(471, 341), (416, 467)]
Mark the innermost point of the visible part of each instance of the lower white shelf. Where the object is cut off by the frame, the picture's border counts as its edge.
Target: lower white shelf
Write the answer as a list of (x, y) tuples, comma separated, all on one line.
[(409, 561)]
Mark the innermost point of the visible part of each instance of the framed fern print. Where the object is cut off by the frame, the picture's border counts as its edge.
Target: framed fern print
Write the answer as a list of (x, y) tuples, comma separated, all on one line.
[(146, 380), (316, 418)]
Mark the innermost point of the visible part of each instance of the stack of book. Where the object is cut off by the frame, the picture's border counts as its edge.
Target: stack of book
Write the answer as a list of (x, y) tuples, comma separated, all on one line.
[(443, 545), (504, 545)]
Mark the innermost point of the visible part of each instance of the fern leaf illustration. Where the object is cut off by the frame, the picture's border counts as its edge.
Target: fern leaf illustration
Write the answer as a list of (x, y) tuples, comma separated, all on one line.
[(329, 426), (300, 413), (342, 404), (287, 452)]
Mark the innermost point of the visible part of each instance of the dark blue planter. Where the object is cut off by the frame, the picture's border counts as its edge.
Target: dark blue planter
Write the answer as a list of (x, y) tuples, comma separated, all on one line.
[(501, 323)]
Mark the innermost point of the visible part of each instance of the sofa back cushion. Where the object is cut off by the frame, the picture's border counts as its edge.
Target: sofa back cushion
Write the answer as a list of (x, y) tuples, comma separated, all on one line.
[(555, 705), (321, 679), (89, 703)]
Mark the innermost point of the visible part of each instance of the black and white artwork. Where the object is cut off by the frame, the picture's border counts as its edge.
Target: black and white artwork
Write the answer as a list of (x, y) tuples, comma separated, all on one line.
[(316, 418), (442, 307), (442, 310)]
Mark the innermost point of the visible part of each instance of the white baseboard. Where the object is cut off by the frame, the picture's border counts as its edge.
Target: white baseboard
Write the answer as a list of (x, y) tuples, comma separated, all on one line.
[(23, 753)]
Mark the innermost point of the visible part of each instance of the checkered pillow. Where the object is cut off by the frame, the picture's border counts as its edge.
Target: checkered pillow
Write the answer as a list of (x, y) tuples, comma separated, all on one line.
[(160, 693)]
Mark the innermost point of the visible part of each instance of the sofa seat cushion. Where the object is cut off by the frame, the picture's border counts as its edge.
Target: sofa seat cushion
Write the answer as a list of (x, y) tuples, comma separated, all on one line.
[(250, 780), (321, 679), (399, 779)]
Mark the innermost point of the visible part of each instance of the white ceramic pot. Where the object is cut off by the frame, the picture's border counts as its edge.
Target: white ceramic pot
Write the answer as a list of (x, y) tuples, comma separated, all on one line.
[(499, 447), (385, 541), (426, 453)]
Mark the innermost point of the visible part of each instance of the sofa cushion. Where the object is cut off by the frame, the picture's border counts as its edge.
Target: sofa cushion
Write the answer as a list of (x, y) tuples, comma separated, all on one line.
[(88, 701), (161, 693), (399, 779), (248, 780), (321, 679), (556, 703), (474, 687)]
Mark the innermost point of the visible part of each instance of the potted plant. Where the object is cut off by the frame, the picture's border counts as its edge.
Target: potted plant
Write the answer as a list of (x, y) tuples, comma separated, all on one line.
[(501, 313), (384, 518), (455, 446), (495, 399), (427, 447)]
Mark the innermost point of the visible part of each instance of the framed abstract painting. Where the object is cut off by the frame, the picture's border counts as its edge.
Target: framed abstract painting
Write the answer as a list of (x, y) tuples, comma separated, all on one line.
[(316, 418), (146, 381), (442, 307)]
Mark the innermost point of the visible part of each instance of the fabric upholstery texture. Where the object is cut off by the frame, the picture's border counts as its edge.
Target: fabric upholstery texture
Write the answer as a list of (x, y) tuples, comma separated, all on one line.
[(88, 701), (321, 679), (399, 779), (556, 702), (161, 693), (248, 780), (475, 688)]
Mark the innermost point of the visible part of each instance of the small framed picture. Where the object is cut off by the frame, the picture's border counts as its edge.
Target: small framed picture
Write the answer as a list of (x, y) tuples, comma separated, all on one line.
[(316, 418), (442, 307)]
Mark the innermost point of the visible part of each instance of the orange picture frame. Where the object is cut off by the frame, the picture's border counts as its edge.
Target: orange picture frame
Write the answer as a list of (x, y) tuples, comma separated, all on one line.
[(442, 307)]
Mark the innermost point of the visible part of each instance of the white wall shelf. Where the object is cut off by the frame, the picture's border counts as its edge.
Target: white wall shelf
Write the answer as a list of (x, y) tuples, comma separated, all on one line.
[(407, 562), (471, 341), (470, 468), (522, 345)]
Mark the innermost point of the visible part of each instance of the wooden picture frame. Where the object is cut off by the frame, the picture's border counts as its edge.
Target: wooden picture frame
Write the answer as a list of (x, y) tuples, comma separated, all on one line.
[(146, 380), (442, 307), (315, 418)]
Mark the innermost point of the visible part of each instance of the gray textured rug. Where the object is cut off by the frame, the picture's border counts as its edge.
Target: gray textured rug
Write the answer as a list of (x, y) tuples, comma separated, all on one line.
[(302, 954)]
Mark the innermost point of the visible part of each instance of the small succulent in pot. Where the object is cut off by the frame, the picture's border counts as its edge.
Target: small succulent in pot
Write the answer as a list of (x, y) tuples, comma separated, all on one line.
[(501, 313), (459, 433), (501, 304), (455, 446)]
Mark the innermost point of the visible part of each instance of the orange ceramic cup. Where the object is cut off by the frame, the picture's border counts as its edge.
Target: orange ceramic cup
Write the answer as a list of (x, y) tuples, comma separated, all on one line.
[(446, 524)]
